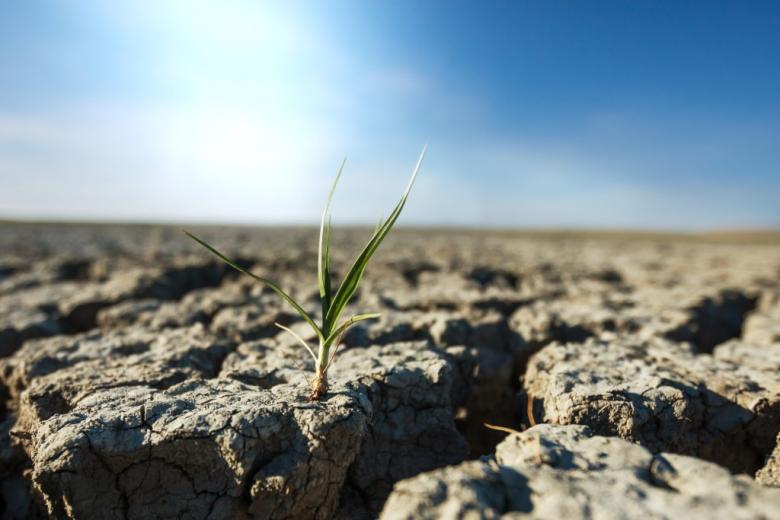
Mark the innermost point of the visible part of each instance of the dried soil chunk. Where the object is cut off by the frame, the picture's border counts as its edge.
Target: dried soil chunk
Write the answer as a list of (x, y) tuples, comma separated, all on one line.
[(560, 320), (52, 375), (762, 327), (769, 475), (662, 395), (271, 361), (565, 472), (80, 311), (197, 306), (389, 328), (215, 449), (407, 385), (129, 313), (19, 275), (250, 322), (22, 324), (31, 314), (412, 429)]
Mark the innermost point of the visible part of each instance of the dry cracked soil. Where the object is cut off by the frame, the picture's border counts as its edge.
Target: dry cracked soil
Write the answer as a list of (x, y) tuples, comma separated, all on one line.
[(143, 379)]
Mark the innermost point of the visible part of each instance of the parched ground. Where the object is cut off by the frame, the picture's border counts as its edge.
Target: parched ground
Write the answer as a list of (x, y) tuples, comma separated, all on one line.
[(141, 378)]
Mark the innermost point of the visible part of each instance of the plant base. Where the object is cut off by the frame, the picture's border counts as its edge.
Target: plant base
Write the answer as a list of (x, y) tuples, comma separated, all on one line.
[(319, 386)]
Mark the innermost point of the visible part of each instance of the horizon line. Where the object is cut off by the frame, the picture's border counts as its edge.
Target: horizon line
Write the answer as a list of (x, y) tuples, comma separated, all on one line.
[(735, 230)]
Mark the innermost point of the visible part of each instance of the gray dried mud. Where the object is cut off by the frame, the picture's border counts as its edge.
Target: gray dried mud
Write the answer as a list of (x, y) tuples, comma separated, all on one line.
[(142, 379), (567, 472)]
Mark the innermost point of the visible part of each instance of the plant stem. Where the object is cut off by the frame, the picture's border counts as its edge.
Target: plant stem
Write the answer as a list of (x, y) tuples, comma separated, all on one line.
[(319, 385)]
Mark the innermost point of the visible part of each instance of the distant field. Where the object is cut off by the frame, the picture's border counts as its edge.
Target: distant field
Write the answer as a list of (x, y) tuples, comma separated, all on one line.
[(734, 236)]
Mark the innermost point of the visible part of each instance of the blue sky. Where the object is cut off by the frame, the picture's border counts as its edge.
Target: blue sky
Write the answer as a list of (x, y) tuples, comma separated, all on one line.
[(613, 114)]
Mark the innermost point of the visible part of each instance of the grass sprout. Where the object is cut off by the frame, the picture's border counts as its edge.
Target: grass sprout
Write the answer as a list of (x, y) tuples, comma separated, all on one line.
[(332, 300)]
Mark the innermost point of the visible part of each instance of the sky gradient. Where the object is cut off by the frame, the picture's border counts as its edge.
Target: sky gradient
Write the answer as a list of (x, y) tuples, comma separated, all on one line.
[(613, 114)]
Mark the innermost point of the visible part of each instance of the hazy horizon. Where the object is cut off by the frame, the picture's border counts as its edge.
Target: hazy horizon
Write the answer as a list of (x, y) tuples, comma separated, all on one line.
[(411, 226)]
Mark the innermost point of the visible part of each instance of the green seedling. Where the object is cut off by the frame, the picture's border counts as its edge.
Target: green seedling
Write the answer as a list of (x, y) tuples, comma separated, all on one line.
[(333, 301)]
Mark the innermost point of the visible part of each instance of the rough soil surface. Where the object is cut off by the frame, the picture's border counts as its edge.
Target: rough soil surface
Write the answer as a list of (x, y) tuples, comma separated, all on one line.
[(723, 407), (199, 449), (567, 472), (143, 379), (770, 473)]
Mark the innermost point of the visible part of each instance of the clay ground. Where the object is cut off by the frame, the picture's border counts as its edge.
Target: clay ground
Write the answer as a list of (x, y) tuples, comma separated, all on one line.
[(141, 378)]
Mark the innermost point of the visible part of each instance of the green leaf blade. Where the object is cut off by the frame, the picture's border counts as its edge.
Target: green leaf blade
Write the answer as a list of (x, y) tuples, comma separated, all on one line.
[(323, 252), (353, 277)]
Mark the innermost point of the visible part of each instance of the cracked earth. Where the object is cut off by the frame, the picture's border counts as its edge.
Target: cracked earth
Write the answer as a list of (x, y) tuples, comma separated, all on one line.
[(141, 378)]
